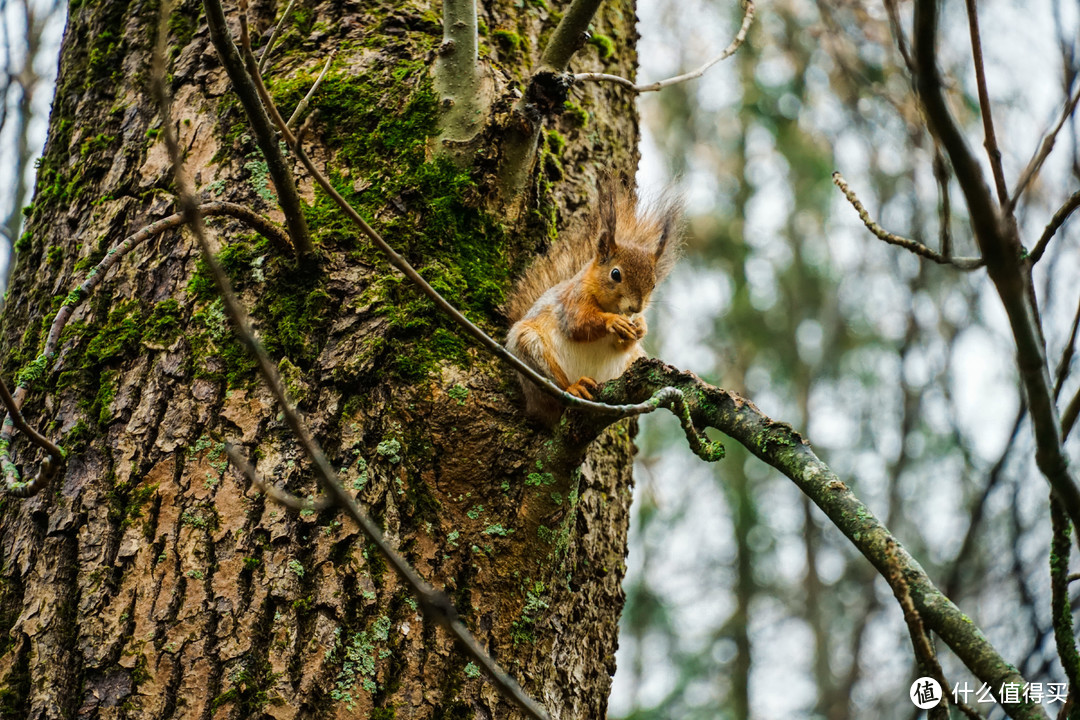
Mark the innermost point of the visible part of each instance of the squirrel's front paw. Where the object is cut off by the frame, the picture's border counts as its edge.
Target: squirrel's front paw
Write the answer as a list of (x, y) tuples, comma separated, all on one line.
[(583, 388), (640, 326), (623, 327)]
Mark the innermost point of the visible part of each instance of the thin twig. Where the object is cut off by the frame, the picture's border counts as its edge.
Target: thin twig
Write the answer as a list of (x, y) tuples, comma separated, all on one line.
[(434, 604), (941, 175), (740, 37), (1065, 362), (1043, 151), (49, 465), (15, 418), (898, 33), (1052, 227), (282, 497), (962, 263), (303, 104), (264, 60), (984, 105), (1069, 415)]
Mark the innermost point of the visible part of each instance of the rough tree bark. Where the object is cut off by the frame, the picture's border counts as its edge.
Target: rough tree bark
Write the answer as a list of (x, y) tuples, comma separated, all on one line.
[(151, 581)]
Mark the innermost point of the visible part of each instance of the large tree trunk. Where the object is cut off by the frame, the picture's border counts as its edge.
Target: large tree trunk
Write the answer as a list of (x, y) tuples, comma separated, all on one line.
[(151, 581)]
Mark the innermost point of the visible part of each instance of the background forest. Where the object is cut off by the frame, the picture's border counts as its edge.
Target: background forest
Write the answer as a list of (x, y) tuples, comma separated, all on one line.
[(742, 600)]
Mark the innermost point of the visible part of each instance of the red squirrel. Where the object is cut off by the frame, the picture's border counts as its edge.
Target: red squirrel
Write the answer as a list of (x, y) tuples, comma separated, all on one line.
[(577, 311)]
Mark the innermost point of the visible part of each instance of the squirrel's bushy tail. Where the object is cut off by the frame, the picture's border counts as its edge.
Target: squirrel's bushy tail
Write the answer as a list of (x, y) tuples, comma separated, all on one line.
[(645, 227)]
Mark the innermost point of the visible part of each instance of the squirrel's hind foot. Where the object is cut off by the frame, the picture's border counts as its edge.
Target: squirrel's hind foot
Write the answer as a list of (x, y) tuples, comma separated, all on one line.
[(583, 388)]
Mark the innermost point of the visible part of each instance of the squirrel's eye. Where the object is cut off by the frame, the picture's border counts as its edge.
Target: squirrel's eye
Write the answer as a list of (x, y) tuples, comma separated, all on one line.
[(616, 275)]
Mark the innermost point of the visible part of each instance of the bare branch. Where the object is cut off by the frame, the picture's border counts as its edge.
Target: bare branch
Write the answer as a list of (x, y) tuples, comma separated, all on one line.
[(49, 466), (962, 263), (920, 639), (261, 129), (15, 417), (1068, 416), (273, 492), (264, 60), (748, 19), (1045, 147), (984, 104), (1052, 227), (302, 106), (941, 175), (898, 34)]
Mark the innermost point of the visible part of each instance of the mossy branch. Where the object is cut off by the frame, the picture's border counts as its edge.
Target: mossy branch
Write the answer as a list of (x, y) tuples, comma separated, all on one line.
[(287, 193), (780, 446)]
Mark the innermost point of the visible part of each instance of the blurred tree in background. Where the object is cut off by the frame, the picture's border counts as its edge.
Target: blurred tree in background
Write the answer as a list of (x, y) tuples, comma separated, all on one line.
[(29, 42), (743, 601)]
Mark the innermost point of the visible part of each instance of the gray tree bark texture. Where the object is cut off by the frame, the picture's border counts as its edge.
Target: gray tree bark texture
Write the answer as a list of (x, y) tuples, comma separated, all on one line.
[(151, 581)]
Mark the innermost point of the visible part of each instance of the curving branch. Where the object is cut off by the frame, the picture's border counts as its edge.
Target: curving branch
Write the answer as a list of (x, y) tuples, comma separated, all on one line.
[(962, 263), (280, 174), (49, 466), (780, 446), (740, 38), (264, 227)]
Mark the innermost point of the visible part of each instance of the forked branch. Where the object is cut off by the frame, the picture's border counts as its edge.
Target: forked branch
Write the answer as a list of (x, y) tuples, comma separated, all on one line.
[(735, 44), (999, 244), (914, 246), (261, 129)]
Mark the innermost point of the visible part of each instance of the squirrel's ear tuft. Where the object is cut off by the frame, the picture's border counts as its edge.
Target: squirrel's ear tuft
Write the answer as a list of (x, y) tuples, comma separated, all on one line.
[(606, 247), (669, 228)]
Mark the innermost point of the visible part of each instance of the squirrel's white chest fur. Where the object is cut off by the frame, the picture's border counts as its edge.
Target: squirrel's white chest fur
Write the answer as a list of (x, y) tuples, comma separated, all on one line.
[(600, 360)]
